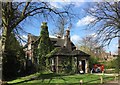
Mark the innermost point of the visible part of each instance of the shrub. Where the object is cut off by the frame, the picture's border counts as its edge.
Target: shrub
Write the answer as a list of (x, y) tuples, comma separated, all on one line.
[(93, 61)]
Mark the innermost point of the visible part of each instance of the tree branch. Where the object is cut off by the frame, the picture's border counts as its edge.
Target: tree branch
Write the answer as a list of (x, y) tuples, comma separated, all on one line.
[(25, 8)]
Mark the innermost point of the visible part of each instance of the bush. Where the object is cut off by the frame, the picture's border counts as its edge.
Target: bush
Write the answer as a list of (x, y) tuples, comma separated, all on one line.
[(111, 64), (117, 64), (93, 61)]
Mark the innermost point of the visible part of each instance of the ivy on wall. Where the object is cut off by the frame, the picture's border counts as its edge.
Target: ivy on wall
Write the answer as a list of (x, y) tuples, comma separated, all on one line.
[(44, 47)]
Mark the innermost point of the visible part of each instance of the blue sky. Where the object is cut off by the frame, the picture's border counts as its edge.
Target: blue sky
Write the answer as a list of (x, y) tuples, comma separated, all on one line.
[(78, 26)]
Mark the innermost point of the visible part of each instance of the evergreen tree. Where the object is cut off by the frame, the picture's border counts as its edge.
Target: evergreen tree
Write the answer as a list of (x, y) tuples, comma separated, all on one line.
[(12, 61), (44, 47)]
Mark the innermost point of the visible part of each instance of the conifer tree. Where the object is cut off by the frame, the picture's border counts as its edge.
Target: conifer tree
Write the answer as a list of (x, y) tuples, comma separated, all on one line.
[(12, 61), (44, 47)]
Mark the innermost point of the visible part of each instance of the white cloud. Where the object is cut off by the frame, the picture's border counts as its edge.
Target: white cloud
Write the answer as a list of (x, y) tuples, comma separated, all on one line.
[(94, 35), (78, 3), (24, 36), (63, 0), (66, 0), (51, 36), (55, 5), (75, 38), (62, 3), (85, 21), (23, 43), (93, 9)]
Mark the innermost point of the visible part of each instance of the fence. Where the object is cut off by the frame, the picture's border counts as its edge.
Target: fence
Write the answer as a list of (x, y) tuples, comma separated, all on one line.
[(102, 79)]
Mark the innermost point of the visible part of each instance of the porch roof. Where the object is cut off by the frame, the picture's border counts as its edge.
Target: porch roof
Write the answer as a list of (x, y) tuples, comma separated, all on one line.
[(79, 52)]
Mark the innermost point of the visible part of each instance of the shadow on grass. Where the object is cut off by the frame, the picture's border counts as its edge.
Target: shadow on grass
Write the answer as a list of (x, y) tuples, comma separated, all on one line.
[(42, 77), (52, 76)]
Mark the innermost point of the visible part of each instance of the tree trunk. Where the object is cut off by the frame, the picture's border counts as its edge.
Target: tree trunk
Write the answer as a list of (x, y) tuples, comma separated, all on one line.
[(0, 60), (119, 46), (4, 37), (118, 57)]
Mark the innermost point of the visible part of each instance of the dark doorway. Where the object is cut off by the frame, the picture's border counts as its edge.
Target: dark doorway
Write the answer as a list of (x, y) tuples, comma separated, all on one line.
[(83, 65)]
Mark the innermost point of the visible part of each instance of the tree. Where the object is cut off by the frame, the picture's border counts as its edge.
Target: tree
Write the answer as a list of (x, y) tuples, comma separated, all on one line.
[(107, 20), (60, 26), (106, 23), (14, 13), (44, 47), (12, 59), (89, 45)]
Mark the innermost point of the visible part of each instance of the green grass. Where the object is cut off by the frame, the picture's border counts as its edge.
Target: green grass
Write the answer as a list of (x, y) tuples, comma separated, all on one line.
[(58, 79)]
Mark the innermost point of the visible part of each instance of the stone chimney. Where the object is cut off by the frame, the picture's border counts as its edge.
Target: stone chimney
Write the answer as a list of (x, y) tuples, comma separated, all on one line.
[(67, 33), (29, 38), (67, 43)]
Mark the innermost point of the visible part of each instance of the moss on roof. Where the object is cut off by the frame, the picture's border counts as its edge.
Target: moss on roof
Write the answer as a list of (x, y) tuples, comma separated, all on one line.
[(60, 51), (79, 52)]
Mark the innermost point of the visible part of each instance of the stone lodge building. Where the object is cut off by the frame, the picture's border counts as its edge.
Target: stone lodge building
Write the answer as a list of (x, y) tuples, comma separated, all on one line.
[(65, 58)]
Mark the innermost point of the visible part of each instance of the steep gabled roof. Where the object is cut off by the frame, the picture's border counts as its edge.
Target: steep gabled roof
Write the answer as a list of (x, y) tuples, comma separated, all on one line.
[(58, 42)]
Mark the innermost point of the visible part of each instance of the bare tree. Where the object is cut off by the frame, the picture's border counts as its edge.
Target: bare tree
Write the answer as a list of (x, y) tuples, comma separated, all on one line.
[(60, 26), (64, 22), (89, 45), (13, 13), (107, 20)]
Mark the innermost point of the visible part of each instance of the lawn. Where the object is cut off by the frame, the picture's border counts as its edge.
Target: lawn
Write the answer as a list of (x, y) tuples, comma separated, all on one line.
[(58, 79)]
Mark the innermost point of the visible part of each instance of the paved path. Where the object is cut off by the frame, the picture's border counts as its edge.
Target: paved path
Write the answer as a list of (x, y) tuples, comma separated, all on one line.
[(110, 82), (113, 82), (106, 74)]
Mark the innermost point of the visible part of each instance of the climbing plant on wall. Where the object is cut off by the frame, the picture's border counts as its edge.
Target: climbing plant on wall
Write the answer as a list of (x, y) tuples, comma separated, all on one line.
[(44, 47)]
